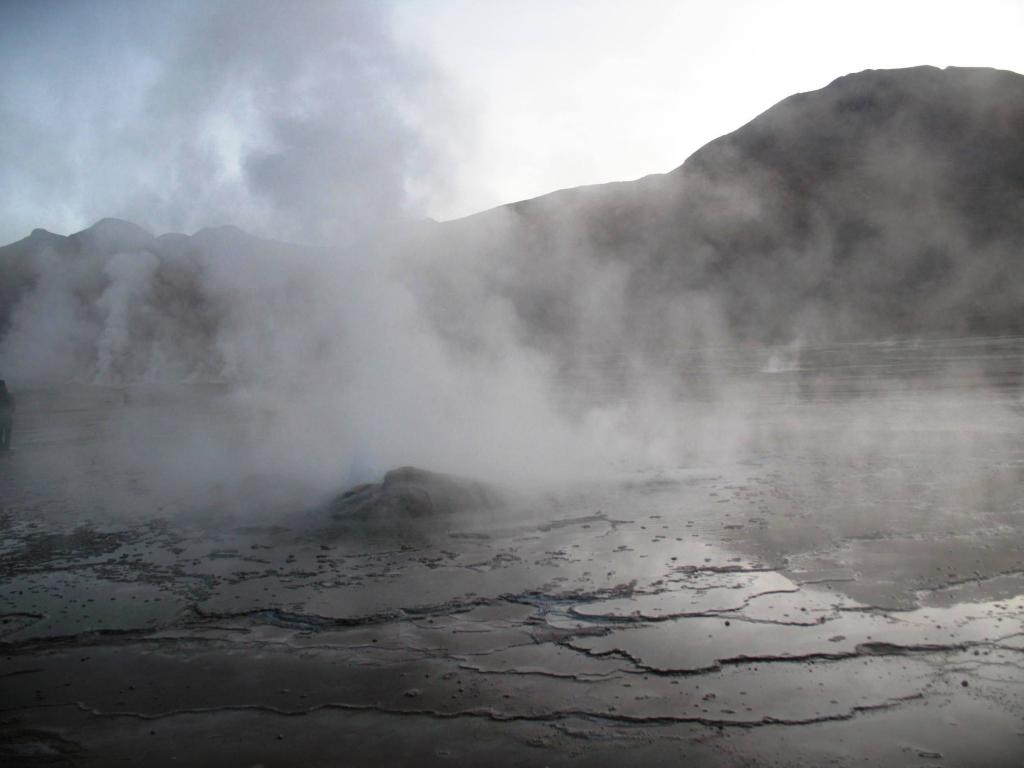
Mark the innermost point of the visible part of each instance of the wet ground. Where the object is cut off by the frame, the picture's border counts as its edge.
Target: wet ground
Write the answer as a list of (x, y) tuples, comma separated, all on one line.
[(847, 590)]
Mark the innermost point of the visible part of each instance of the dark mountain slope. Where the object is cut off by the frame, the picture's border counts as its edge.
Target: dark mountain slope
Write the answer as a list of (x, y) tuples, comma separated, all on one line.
[(114, 303), (888, 203)]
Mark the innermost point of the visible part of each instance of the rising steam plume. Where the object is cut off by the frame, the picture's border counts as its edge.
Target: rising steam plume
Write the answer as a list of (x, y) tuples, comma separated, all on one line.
[(549, 337)]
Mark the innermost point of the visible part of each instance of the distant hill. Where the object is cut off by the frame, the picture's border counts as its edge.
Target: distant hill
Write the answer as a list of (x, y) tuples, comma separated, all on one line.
[(114, 303), (889, 203)]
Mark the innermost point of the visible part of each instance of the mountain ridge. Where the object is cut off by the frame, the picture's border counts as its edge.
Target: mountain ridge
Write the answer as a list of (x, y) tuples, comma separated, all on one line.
[(887, 203), (816, 219)]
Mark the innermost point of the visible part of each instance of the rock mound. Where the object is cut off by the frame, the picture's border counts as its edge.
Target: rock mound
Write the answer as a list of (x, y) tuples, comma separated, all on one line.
[(409, 492)]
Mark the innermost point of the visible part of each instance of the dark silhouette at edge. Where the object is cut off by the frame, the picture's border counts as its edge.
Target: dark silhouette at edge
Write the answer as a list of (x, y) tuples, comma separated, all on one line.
[(6, 416)]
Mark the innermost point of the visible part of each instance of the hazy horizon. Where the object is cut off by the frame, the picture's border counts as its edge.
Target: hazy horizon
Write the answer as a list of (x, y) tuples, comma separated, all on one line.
[(156, 114), (718, 467)]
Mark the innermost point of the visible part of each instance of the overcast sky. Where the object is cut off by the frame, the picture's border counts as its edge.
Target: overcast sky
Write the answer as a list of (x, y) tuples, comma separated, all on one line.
[(306, 120)]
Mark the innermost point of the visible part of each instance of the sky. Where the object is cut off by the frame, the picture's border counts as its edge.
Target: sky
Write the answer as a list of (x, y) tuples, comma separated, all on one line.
[(309, 120)]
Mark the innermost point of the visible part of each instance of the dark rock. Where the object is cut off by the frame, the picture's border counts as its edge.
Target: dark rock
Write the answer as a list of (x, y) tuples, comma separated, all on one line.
[(409, 492)]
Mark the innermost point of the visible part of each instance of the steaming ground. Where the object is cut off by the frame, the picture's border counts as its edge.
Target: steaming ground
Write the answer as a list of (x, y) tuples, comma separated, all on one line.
[(663, 538), (820, 565)]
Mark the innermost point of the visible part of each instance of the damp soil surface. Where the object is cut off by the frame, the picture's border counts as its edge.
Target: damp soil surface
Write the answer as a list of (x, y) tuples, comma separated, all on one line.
[(846, 590)]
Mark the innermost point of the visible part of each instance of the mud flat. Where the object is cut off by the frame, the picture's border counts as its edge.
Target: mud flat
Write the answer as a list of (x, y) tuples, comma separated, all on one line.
[(849, 591)]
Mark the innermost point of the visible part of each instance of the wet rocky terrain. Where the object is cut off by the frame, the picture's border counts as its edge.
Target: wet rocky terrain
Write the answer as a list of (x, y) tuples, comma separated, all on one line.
[(848, 589)]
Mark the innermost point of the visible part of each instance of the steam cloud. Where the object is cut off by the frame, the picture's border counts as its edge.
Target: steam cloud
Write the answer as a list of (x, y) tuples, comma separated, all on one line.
[(310, 125), (304, 121), (373, 345)]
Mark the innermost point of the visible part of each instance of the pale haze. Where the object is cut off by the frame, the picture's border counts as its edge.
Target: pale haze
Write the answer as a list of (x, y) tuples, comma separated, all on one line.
[(152, 113), (571, 93), (450, 383)]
